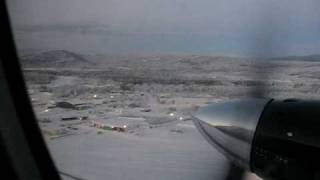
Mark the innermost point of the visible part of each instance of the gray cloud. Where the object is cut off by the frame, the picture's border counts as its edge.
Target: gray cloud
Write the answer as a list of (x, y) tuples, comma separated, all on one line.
[(244, 27)]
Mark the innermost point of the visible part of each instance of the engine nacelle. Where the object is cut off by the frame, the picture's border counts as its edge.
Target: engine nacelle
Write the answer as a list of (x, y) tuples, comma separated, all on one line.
[(276, 139)]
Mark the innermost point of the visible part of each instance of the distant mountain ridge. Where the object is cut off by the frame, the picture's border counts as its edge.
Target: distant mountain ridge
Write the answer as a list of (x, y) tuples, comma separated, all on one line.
[(65, 58), (314, 57), (56, 58)]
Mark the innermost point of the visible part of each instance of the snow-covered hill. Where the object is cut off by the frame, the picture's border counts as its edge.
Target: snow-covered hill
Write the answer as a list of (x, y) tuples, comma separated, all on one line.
[(56, 58)]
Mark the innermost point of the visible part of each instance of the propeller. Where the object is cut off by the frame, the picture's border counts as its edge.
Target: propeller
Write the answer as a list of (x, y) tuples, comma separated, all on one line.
[(230, 126), (275, 139), (260, 70)]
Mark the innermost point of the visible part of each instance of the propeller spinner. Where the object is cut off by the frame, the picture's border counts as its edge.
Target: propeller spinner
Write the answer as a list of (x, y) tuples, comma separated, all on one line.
[(276, 139)]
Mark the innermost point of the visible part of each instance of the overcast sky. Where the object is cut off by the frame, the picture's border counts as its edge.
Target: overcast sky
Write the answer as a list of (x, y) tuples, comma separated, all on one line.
[(230, 27)]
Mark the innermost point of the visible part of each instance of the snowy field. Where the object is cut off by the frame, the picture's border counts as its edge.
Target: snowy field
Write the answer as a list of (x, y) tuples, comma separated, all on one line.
[(129, 117)]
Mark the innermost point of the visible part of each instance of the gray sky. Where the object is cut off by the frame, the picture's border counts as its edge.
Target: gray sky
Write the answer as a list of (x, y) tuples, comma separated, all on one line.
[(230, 27)]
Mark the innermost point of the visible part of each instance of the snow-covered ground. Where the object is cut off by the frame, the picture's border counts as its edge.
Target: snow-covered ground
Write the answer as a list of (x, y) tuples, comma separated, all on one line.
[(157, 154), (151, 99)]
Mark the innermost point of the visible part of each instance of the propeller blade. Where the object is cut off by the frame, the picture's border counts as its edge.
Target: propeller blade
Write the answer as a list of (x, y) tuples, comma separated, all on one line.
[(262, 49)]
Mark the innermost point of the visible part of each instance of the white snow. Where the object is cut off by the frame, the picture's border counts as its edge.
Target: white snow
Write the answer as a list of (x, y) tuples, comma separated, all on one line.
[(153, 100)]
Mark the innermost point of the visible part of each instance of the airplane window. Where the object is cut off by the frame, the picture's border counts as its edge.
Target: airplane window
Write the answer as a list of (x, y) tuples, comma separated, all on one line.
[(114, 84)]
